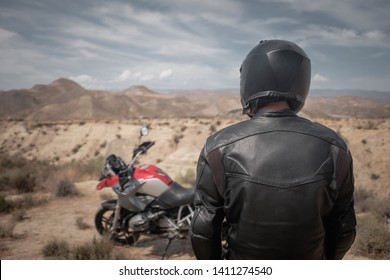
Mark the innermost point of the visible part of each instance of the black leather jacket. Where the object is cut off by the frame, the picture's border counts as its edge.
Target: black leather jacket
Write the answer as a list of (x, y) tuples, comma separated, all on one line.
[(285, 186)]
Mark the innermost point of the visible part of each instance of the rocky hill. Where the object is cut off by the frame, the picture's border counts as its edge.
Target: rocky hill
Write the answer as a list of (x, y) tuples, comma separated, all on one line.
[(65, 100)]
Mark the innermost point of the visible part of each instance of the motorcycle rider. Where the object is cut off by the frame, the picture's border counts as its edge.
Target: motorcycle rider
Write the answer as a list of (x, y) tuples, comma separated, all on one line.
[(283, 183)]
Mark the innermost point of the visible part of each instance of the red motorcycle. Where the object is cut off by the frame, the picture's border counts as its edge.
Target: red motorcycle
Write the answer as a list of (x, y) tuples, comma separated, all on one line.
[(149, 201)]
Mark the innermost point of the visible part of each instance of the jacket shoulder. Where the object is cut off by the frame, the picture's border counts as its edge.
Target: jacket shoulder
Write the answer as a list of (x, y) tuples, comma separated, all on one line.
[(226, 136), (329, 135), (253, 127)]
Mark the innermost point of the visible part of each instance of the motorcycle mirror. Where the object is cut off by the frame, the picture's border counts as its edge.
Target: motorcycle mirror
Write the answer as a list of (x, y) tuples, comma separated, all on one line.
[(144, 131)]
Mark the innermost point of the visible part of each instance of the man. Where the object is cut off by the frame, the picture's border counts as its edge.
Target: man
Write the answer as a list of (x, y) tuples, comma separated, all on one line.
[(283, 184)]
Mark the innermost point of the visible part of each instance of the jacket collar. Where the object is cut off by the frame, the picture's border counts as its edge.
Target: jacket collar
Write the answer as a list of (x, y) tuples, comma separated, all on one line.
[(274, 113)]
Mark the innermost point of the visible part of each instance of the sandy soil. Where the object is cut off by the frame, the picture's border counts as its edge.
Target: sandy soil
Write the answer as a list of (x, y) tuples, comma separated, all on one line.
[(57, 220), (176, 151)]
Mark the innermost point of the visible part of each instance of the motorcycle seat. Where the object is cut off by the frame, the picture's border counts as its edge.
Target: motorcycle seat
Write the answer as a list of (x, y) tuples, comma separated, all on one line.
[(177, 195)]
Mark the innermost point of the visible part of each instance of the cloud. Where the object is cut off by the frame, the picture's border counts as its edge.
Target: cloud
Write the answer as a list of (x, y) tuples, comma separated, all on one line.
[(319, 78), (280, 20), (374, 35), (147, 77), (89, 82), (380, 54), (142, 77), (229, 8), (166, 74), (6, 35), (174, 75), (126, 75), (323, 35), (82, 79), (359, 14), (193, 44)]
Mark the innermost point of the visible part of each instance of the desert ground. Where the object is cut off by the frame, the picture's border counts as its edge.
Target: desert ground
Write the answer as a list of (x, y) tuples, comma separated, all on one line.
[(178, 143)]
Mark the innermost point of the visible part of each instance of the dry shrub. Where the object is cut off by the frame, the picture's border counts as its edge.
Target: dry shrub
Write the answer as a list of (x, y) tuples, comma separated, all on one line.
[(5, 206), (364, 199), (81, 224), (24, 202), (7, 229), (56, 249), (16, 175), (79, 170), (19, 175), (19, 214), (96, 250), (76, 148), (93, 167), (382, 208), (177, 137), (373, 238), (20, 203), (212, 129), (22, 181), (374, 176), (65, 187)]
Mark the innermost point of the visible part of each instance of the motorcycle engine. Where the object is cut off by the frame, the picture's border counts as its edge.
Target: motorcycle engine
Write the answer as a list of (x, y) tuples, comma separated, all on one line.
[(141, 222)]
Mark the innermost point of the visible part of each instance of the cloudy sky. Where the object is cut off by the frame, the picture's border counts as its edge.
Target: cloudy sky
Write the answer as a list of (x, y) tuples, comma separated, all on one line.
[(192, 44)]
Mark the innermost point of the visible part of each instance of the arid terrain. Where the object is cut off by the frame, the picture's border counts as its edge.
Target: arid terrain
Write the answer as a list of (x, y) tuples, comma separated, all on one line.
[(60, 132)]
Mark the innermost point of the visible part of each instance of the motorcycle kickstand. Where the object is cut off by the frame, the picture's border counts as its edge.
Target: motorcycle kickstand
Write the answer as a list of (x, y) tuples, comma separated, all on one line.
[(170, 238)]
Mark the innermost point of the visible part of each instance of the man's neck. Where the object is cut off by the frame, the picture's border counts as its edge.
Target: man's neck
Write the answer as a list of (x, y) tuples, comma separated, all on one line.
[(274, 106)]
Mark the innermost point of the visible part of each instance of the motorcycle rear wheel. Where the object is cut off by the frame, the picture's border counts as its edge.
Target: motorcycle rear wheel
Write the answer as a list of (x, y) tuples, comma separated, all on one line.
[(104, 220)]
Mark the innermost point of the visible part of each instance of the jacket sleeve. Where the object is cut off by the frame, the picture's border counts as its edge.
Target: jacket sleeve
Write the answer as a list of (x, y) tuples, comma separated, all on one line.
[(207, 220), (340, 225)]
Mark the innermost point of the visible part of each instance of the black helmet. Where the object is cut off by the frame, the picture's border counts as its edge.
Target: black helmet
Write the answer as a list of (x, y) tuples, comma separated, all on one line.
[(274, 70)]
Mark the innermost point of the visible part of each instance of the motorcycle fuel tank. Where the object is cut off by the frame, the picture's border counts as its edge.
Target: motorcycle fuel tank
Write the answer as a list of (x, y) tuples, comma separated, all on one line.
[(155, 181)]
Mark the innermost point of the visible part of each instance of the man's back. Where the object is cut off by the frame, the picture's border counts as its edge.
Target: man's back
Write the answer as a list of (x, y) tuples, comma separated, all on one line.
[(285, 183)]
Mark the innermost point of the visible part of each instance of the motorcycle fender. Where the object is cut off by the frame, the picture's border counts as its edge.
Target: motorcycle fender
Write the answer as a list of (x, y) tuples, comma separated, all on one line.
[(109, 204)]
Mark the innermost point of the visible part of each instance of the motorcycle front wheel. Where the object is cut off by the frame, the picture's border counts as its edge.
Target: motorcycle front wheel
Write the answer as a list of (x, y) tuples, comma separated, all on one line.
[(104, 220)]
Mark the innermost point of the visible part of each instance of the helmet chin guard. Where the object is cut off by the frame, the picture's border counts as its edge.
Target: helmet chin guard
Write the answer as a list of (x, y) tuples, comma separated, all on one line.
[(275, 70)]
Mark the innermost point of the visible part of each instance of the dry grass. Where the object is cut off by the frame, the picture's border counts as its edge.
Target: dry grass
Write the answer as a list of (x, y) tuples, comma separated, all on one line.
[(373, 238), (364, 200), (56, 249), (101, 249), (20, 203), (5, 206), (373, 230), (7, 229), (19, 175)]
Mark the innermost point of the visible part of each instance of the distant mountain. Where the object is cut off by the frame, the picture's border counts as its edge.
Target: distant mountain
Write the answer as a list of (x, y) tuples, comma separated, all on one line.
[(376, 95), (369, 94), (65, 100), (345, 107)]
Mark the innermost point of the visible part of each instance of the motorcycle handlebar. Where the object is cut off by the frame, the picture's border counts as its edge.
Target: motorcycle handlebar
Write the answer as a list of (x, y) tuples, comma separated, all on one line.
[(147, 145), (142, 148), (115, 165)]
